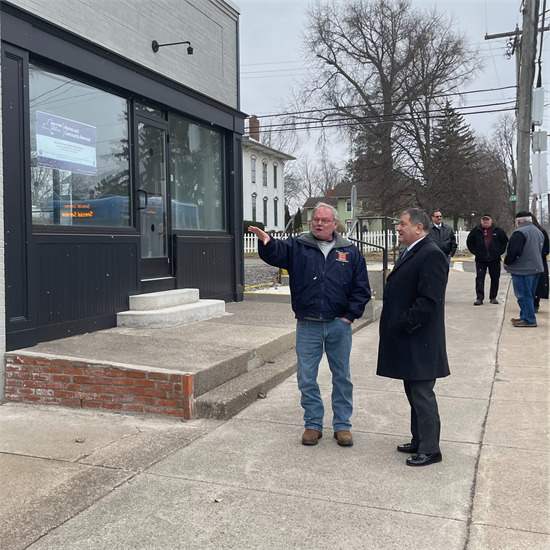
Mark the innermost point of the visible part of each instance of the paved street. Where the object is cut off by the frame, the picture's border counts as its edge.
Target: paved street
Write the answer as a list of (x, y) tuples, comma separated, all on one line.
[(248, 483)]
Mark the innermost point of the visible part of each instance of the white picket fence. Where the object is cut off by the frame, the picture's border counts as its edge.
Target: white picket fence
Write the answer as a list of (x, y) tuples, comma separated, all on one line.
[(372, 237)]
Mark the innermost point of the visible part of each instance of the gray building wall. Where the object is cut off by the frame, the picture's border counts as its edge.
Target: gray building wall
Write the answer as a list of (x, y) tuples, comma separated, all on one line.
[(127, 27)]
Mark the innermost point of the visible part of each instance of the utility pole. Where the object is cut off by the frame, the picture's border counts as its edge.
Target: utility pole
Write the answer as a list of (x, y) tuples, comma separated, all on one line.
[(525, 50), (525, 94)]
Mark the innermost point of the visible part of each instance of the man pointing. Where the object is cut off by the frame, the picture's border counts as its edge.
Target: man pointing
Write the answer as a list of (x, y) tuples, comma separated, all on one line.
[(329, 287)]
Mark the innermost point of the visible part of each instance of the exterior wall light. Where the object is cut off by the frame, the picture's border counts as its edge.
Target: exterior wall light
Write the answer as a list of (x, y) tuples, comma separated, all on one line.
[(155, 45)]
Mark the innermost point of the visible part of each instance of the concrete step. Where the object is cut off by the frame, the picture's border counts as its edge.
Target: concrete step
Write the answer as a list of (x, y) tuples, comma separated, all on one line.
[(167, 298), (225, 401), (172, 316), (227, 398)]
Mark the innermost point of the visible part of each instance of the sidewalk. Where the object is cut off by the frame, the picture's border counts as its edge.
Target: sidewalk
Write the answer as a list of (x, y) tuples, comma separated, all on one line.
[(152, 484)]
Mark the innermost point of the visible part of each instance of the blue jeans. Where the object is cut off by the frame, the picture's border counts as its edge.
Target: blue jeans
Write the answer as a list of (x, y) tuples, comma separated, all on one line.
[(525, 287), (335, 337)]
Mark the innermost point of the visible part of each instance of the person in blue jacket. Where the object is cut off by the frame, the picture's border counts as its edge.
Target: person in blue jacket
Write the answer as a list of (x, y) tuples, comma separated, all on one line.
[(329, 287)]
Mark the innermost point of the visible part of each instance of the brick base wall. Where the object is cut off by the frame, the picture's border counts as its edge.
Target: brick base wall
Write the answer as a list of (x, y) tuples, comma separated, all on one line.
[(78, 384)]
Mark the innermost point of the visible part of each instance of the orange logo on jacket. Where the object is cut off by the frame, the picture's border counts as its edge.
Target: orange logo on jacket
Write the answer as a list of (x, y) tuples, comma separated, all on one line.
[(342, 257)]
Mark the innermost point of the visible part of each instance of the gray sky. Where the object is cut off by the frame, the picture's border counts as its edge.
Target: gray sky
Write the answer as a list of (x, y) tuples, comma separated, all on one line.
[(271, 41)]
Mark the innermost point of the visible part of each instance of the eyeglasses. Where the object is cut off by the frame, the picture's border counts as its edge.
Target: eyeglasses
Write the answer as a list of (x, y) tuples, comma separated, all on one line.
[(322, 220)]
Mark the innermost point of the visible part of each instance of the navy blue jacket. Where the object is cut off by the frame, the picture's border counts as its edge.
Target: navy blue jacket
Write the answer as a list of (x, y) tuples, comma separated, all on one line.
[(321, 289)]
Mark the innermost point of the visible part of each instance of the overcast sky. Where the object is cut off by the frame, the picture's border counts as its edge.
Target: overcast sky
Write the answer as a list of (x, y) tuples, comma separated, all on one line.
[(272, 61)]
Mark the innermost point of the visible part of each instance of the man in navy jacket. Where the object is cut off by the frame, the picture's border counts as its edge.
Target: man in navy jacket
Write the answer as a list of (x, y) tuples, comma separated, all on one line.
[(330, 288)]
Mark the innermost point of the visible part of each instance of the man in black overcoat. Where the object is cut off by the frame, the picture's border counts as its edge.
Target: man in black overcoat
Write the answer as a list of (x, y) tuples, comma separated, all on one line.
[(412, 332)]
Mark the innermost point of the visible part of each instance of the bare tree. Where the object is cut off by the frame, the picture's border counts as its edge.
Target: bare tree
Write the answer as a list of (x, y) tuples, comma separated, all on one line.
[(375, 67)]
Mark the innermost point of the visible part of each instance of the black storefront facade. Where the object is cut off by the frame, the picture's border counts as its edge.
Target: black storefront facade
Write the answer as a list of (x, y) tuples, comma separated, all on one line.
[(117, 181)]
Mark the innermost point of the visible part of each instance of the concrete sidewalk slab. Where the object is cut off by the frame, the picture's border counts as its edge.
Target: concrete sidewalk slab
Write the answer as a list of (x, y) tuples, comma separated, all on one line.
[(485, 537), (510, 489), (244, 520), (268, 457), (47, 494), (518, 424)]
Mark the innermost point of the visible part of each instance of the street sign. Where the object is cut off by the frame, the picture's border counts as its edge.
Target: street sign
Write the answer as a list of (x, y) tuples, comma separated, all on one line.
[(512, 198)]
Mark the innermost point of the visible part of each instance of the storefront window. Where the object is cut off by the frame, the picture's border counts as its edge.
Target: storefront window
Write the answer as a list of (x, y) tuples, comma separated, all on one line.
[(79, 153), (196, 176)]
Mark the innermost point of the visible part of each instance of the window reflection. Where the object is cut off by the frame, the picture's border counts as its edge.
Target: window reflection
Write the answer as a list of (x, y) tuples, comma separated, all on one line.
[(79, 153), (196, 176)]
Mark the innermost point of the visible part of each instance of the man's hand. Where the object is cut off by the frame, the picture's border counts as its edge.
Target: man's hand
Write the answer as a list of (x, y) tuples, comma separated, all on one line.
[(262, 235), (345, 320)]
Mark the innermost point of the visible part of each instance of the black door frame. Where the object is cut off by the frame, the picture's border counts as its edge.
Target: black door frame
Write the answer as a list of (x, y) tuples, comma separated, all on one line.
[(153, 268)]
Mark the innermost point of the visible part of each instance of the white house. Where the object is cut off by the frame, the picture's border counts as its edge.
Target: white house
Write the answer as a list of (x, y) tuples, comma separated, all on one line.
[(263, 183)]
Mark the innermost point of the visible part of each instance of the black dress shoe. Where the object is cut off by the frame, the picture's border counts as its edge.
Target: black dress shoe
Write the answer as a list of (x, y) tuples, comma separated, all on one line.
[(421, 459), (407, 448)]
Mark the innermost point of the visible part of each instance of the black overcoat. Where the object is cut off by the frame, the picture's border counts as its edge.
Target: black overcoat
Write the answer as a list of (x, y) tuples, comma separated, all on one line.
[(412, 326)]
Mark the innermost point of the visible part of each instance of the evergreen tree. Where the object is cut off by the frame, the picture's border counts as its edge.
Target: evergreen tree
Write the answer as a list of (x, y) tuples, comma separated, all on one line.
[(454, 158)]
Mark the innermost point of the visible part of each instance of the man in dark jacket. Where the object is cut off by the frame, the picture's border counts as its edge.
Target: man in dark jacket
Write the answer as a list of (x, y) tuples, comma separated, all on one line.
[(487, 243), (329, 288), (412, 332), (443, 236), (523, 261)]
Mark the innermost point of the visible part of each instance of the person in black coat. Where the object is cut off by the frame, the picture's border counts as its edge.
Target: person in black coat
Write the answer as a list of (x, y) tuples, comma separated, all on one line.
[(412, 332), (443, 235), (487, 243)]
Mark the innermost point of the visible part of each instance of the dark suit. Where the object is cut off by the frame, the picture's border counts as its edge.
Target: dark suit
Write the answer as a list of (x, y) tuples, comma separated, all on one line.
[(412, 336)]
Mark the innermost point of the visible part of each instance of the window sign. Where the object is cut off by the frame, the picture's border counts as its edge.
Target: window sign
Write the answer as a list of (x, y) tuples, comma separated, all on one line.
[(80, 165), (65, 144)]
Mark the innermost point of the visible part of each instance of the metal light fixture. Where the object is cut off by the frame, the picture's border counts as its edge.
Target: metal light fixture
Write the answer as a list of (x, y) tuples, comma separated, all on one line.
[(155, 45)]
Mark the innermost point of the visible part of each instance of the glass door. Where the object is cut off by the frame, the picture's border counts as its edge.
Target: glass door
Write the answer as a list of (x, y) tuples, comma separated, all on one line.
[(152, 200)]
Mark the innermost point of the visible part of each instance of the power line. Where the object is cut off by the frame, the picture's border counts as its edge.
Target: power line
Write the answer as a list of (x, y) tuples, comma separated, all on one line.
[(325, 126), (376, 118), (445, 94)]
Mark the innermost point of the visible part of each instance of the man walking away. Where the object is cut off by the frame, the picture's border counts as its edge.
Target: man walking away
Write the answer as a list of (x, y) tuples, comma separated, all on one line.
[(329, 288), (443, 236), (524, 262), (487, 243), (412, 332)]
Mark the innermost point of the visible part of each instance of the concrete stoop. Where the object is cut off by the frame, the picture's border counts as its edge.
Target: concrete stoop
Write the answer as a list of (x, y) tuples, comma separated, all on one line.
[(171, 308), (217, 392), (227, 399)]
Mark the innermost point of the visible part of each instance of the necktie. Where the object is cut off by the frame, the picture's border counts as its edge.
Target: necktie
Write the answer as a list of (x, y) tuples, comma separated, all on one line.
[(404, 253)]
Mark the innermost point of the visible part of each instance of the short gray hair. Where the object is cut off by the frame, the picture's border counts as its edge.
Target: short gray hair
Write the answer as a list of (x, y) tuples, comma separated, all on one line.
[(418, 216), (325, 205), (524, 219)]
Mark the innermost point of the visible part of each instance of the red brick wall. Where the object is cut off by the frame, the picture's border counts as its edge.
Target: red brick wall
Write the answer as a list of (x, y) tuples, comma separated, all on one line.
[(77, 384)]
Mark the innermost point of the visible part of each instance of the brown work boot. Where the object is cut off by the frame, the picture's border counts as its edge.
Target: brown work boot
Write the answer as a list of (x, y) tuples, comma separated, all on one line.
[(311, 437), (521, 323), (515, 320), (478, 302), (343, 438), (493, 301)]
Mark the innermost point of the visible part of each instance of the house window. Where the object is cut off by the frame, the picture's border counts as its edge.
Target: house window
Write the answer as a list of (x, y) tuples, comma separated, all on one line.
[(349, 225), (348, 205), (80, 166), (196, 174), (253, 168), (254, 207), (265, 211), (264, 173), (275, 212), (275, 175)]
